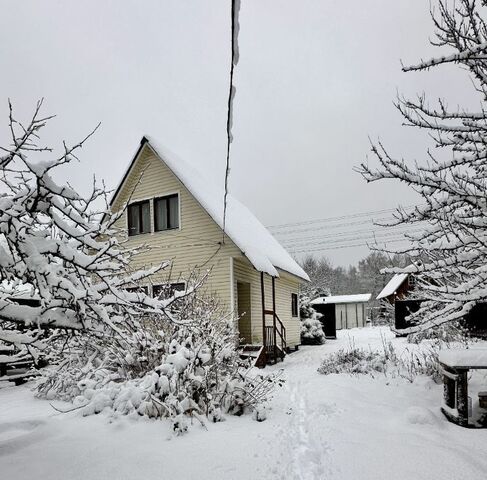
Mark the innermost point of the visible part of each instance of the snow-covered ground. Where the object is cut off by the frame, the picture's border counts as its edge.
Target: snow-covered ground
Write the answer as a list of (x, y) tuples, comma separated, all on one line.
[(335, 426)]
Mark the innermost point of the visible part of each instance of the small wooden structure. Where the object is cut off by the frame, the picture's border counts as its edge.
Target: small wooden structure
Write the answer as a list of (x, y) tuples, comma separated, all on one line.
[(455, 366), (341, 312)]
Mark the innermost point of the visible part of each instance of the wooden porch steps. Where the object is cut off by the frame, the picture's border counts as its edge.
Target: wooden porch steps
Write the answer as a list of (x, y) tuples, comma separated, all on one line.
[(260, 356)]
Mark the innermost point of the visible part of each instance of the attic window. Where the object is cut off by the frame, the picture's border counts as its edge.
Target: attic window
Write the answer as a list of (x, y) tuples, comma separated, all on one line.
[(166, 213), (139, 218)]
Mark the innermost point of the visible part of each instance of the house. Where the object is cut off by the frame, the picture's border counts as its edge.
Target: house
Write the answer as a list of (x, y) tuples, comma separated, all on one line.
[(397, 288), (396, 293), (178, 212), (341, 312)]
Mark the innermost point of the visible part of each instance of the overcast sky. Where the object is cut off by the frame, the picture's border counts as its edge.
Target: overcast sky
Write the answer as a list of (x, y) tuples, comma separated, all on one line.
[(316, 78)]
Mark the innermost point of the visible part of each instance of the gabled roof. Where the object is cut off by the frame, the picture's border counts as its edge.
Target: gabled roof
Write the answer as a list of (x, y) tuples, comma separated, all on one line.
[(242, 227), (394, 283), (360, 298)]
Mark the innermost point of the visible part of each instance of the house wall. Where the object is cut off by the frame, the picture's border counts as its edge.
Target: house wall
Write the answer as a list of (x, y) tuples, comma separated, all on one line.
[(350, 315), (401, 293), (285, 285), (194, 247)]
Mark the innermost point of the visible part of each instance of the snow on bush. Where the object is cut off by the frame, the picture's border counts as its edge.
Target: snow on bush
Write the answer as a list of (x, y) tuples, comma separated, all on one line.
[(353, 361), (408, 365), (183, 369), (311, 327)]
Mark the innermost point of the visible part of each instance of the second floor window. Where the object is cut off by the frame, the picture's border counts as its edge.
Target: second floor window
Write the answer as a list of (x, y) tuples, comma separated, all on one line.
[(139, 218), (166, 213)]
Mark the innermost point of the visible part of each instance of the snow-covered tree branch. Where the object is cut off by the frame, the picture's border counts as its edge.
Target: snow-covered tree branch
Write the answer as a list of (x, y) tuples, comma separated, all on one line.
[(452, 214), (55, 249)]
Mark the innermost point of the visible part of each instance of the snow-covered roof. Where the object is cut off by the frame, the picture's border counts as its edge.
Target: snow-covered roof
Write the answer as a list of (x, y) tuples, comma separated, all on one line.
[(360, 298), (472, 357), (394, 283), (264, 252)]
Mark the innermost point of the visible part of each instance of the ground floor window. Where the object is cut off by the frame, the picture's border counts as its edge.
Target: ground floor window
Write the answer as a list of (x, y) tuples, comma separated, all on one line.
[(167, 289), (138, 289), (294, 304)]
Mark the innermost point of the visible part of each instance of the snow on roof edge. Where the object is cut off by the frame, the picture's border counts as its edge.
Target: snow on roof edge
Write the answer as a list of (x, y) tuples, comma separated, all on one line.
[(264, 252), (357, 298), (392, 285)]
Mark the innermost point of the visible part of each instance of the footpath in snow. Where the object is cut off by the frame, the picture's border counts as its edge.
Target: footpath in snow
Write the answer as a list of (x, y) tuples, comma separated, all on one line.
[(319, 427)]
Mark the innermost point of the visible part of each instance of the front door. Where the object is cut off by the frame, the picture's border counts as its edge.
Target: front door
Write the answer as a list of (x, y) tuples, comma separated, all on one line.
[(244, 312)]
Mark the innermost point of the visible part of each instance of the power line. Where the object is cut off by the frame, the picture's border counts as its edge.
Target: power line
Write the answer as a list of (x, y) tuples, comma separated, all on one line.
[(393, 235), (342, 217), (339, 247), (359, 232), (369, 221)]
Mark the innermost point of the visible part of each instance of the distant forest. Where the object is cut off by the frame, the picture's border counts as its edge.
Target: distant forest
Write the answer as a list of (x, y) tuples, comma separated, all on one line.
[(365, 277)]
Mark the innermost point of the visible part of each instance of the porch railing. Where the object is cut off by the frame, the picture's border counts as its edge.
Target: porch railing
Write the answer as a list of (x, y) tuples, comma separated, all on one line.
[(275, 342)]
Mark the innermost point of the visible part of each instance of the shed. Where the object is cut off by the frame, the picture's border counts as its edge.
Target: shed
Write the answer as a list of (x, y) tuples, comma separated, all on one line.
[(341, 312)]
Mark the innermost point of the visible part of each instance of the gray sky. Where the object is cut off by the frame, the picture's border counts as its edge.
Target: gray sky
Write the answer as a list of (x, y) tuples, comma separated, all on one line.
[(316, 78)]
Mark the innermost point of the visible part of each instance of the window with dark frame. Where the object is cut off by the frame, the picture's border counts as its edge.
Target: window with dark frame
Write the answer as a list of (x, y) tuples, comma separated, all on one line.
[(139, 218), (294, 304), (138, 289), (167, 289), (166, 213)]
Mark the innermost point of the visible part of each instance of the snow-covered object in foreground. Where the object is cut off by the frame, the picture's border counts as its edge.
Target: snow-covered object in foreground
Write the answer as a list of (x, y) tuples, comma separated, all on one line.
[(189, 369), (471, 357), (249, 235)]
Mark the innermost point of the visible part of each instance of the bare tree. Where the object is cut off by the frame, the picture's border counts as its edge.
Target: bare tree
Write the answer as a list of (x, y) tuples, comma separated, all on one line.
[(452, 242), (320, 272)]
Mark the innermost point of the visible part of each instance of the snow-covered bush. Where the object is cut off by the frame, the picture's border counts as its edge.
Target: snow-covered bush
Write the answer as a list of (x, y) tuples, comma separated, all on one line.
[(186, 367), (311, 327), (353, 361), (408, 365)]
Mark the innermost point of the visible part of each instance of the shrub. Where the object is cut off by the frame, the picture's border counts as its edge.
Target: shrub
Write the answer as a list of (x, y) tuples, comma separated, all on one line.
[(408, 365), (311, 327), (186, 367), (353, 361)]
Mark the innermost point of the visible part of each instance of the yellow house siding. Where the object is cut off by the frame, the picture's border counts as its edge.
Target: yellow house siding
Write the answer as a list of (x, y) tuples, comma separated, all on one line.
[(195, 246), (285, 285)]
